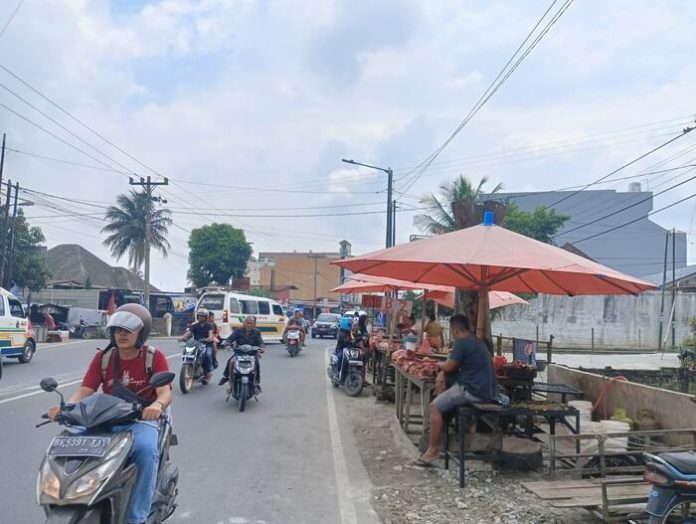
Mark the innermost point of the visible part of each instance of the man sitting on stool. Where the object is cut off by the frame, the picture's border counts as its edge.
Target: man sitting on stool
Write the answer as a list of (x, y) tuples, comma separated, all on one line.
[(468, 373)]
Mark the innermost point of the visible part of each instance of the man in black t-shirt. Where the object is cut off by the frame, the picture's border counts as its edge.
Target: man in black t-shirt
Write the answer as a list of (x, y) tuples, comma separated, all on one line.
[(468, 375), (202, 331), (247, 335)]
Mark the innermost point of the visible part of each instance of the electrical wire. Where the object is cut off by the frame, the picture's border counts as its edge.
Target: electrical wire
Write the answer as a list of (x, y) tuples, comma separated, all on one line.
[(9, 20), (505, 73)]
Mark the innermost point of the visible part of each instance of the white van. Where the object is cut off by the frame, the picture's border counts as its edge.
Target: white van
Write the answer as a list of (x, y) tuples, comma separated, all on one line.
[(17, 339), (231, 308)]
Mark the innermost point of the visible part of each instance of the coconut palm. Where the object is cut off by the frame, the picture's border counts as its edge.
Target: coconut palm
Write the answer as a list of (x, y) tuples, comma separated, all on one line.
[(126, 228), (441, 219)]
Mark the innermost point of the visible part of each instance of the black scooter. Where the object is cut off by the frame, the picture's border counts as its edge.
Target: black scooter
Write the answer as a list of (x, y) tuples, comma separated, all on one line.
[(87, 476), (348, 369), (673, 495)]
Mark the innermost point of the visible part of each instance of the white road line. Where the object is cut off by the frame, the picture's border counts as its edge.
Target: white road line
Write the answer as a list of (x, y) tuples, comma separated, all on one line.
[(344, 492), (64, 385)]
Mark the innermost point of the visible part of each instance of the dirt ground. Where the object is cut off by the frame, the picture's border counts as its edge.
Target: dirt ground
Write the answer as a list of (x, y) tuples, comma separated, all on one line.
[(404, 493)]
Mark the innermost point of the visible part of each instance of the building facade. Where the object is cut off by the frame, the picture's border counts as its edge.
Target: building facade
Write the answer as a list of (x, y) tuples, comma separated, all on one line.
[(636, 249), (311, 275)]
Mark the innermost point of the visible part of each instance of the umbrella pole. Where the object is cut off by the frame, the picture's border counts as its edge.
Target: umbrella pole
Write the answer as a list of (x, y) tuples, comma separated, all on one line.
[(482, 331), (422, 330)]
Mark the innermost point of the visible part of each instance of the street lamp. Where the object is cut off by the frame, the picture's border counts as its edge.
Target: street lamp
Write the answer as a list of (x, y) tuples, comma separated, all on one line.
[(390, 175)]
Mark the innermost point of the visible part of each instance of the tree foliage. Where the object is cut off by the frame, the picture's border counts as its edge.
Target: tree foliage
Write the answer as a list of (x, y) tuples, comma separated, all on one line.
[(217, 253), (126, 228), (29, 267), (542, 224), (440, 219)]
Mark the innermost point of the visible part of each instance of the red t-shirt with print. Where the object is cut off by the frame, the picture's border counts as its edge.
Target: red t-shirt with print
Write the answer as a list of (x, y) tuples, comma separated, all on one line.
[(133, 373)]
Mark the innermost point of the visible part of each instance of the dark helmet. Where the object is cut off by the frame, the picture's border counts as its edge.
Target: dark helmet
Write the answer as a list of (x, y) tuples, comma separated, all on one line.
[(132, 317)]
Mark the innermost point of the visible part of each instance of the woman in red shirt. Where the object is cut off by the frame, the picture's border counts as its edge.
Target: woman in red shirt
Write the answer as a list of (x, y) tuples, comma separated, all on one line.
[(127, 369)]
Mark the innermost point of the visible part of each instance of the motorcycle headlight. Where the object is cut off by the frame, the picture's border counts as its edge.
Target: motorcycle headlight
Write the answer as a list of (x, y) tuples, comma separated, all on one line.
[(354, 353), (88, 483), (47, 483)]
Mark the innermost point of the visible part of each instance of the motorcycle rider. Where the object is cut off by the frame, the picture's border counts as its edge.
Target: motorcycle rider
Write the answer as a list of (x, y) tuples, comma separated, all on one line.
[(296, 322), (123, 369), (216, 337), (202, 331), (246, 335)]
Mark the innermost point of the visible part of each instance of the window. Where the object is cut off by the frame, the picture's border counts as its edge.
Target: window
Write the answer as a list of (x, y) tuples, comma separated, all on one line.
[(327, 317), (16, 309), (2, 307), (264, 308), (234, 306), (216, 302), (277, 310), (249, 307)]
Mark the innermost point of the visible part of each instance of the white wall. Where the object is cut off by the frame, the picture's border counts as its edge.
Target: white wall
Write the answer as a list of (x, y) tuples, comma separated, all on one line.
[(618, 321)]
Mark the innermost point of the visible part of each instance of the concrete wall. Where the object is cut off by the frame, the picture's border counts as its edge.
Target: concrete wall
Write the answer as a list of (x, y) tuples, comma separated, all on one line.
[(618, 321), (672, 410), (298, 269)]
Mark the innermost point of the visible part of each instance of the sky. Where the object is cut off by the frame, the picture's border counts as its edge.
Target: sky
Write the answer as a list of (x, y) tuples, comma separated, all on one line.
[(248, 107)]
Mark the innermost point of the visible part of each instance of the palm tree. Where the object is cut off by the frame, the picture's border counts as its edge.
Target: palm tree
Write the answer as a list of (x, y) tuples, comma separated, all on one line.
[(126, 228), (441, 220)]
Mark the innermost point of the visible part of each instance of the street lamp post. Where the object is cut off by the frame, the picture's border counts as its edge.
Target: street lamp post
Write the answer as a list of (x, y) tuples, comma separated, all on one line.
[(390, 180), (11, 249)]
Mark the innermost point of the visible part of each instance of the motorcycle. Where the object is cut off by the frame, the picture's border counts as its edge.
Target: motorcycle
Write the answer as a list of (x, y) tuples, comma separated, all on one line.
[(192, 370), (348, 370), (86, 475), (673, 476), (293, 341), (244, 385)]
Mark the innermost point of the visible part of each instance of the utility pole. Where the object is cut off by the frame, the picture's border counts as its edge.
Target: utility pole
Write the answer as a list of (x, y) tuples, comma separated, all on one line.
[(2, 157), (390, 187), (10, 257), (314, 307), (3, 236), (148, 184), (393, 240), (674, 287), (664, 285)]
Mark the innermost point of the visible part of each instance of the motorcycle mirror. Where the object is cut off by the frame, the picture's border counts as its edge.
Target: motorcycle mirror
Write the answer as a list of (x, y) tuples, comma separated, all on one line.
[(48, 384), (162, 379)]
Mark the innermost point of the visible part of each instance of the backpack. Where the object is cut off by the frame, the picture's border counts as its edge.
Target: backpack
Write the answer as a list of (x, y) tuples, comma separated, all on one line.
[(106, 354)]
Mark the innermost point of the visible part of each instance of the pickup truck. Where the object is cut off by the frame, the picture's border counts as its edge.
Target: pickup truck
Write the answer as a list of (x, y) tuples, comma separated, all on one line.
[(17, 339)]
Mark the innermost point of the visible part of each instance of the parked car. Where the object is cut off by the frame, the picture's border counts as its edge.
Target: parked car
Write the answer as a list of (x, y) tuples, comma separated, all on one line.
[(16, 332), (326, 325)]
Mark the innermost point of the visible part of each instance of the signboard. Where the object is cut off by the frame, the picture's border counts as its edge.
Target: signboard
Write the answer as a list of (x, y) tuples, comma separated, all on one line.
[(524, 351), (371, 301)]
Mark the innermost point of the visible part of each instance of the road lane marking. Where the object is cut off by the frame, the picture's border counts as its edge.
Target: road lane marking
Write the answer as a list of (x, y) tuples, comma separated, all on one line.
[(344, 492), (66, 384)]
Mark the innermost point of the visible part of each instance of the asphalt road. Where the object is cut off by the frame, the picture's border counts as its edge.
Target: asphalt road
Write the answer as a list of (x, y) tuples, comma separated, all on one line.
[(291, 457)]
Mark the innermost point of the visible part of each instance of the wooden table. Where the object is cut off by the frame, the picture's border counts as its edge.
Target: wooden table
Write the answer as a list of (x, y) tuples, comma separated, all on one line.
[(406, 386)]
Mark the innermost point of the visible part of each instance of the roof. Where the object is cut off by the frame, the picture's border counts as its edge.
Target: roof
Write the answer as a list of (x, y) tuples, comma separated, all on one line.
[(73, 263), (681, 273)]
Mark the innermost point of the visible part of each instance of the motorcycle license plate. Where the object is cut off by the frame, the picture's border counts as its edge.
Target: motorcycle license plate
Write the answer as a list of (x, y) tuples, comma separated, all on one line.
[(77, 446), (355, 363)]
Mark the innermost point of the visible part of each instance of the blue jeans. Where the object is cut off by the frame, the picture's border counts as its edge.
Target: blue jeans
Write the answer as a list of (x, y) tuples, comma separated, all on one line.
[(145, 455), (208, 359)]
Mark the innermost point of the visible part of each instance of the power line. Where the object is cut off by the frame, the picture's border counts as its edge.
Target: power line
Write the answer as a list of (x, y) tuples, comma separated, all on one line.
[(684, 132), (495, 85), (9, 20), (636, 219)]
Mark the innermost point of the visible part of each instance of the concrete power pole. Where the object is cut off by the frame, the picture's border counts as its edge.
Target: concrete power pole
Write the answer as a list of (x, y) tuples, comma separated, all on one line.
[(148, 184)]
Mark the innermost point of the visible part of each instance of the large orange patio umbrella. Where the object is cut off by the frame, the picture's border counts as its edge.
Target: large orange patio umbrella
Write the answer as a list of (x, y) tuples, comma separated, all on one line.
[(489, 257)]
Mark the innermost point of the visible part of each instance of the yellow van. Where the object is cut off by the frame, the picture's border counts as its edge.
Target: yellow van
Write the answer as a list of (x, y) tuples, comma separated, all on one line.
[(231, 308)]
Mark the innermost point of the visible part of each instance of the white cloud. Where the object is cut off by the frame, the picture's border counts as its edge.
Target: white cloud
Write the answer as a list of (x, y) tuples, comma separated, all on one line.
[(272, 95)]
